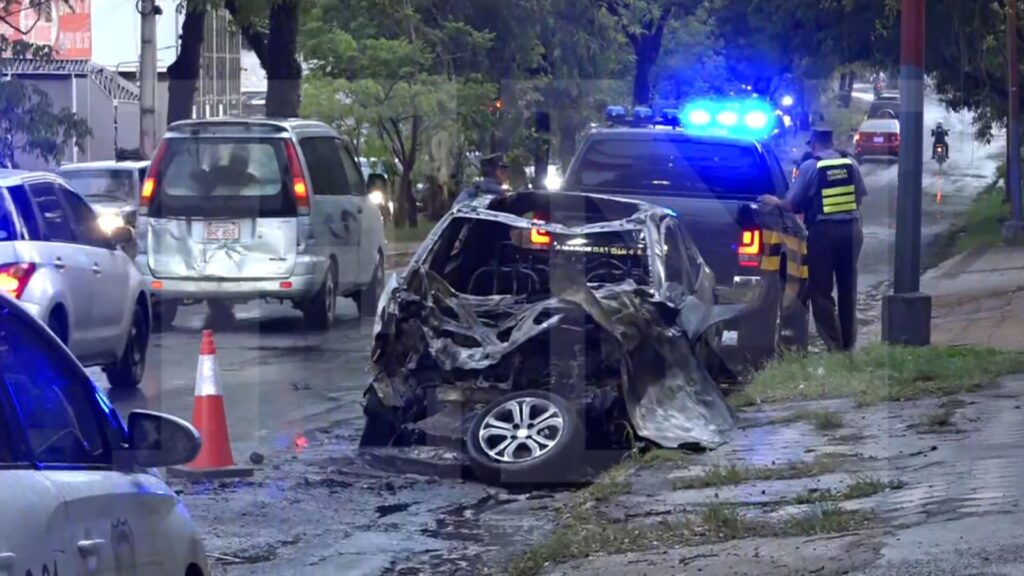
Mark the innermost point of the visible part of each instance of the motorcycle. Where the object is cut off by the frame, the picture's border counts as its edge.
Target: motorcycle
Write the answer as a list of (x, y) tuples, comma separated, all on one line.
[(940, 152)]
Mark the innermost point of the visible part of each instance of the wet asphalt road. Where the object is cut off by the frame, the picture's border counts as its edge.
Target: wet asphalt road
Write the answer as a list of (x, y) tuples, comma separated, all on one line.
[(970, 168), (279, 379)]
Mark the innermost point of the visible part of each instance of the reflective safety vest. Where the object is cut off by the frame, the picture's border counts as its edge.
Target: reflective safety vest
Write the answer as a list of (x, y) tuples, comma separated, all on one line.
[(836, 191)]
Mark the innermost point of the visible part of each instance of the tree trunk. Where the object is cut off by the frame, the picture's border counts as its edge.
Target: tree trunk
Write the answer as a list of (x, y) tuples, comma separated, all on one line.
[(642, 80), (183, 73), (284, 72), (542, 152)]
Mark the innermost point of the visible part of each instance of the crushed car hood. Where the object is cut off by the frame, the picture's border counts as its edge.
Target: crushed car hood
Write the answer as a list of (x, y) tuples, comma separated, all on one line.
[(670, 397)]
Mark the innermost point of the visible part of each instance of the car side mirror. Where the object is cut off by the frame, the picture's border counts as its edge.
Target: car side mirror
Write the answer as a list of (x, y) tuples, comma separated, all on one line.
[(158, 440), (377, 182), (122, 236)]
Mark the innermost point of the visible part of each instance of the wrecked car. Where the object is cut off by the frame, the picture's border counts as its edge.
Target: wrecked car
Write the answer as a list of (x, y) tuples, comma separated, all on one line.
[(534, 330)]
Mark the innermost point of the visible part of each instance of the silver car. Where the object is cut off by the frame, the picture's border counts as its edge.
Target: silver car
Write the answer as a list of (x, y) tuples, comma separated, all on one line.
[(72, 276), (111, 188), (239, 210)]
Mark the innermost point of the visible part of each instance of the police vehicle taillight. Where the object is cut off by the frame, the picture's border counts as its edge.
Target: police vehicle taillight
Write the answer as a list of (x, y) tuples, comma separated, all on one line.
[(749, 248)]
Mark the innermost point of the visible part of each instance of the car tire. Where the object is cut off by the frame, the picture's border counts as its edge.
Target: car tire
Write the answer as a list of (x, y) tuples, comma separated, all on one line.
[(759, 340), (796, 330), (530, 461), (164, 313), (368, 298), (57, 323), (380, 427), (320, 310), (128, 371)]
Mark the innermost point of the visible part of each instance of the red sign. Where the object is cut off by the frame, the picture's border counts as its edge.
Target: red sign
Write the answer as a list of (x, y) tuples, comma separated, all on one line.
[(69, 31)]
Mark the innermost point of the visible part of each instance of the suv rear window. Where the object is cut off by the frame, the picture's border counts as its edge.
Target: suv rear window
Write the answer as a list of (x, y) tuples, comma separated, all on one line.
[(223, 178), (673, 168)]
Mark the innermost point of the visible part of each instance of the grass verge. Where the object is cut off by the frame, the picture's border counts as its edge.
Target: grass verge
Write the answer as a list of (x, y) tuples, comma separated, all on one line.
[(983, 223), (880, 373), (731, 474), (824, 420), (861, 487), (825, 518)]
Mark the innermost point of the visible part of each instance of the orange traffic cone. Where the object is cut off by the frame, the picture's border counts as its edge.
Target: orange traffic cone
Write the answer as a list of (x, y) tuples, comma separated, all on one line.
[(210, 418)]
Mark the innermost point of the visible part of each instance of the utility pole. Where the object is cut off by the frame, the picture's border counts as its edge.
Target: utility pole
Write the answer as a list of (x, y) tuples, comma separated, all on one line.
[(147, 78), (906, 314), (1013, 229)]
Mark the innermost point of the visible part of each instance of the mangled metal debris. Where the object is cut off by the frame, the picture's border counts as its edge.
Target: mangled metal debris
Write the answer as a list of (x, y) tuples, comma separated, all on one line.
[(539, 326)]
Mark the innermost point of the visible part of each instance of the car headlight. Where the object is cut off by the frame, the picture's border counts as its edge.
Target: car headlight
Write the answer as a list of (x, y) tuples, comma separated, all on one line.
[(110, 221), (553, 181), (377, 197)]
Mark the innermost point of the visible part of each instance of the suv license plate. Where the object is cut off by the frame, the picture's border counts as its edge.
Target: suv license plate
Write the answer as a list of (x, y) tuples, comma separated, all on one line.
[(222, 230), (879, 139)]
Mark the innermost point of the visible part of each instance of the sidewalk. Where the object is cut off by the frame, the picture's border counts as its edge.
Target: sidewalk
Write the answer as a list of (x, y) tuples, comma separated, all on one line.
[(978, 298)]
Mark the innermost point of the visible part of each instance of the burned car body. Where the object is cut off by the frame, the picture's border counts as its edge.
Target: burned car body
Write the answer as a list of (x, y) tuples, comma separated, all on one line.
[(533, 327)]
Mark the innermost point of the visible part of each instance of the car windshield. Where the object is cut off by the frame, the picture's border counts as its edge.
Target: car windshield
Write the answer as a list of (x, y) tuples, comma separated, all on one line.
[(223, 178), (880, 126), (487, 258), (673, 168), (104, 185)]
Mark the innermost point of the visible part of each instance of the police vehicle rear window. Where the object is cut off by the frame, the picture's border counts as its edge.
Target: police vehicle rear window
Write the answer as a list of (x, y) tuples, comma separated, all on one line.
[(673, 168)]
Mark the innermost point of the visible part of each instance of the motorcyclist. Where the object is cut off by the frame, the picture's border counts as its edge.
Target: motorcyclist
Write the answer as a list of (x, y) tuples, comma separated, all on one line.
[(939, 134)]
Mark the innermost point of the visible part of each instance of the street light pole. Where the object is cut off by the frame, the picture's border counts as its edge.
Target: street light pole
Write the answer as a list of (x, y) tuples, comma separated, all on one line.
[(1014, 228), (906, 314)]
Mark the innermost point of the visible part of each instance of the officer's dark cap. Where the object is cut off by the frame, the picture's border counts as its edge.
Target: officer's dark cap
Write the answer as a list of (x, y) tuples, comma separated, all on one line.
[(493, 162), (821, 135)]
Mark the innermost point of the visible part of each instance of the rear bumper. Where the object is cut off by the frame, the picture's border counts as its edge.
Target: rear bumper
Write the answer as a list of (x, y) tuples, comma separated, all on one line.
[(878, 150), (745, 289), (305, 280)]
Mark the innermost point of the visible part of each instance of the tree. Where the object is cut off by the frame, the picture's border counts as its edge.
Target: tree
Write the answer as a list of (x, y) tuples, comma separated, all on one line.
[(28, 120), (183, 73), (274, 39), (643, 23)]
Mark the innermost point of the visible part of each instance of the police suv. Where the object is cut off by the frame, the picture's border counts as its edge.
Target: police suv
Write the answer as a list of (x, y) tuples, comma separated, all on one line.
[(709, 163)]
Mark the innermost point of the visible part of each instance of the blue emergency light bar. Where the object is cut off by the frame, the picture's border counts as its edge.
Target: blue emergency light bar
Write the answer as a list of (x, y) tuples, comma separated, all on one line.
[(748, 118), (742, 117)]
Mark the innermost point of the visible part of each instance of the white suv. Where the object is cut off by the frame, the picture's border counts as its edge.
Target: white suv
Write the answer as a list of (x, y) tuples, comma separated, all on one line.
[(70, 274), (238, 210)]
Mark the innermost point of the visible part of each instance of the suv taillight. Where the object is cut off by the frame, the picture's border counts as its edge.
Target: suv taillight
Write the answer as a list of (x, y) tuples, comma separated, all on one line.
[(299, 188), (14, 278), (749, 248), (149, 184)]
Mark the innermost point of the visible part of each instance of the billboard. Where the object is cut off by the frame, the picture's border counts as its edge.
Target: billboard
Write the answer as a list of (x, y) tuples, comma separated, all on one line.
[(69, 31)]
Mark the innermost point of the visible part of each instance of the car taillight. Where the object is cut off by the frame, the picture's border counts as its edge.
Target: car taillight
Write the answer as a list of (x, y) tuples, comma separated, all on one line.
[(149, 184), (14, 278), (299, 188), (856, 137), (749, 248), (538, 236)]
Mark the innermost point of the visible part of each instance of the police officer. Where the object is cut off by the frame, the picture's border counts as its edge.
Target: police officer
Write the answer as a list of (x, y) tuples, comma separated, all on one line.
[(828, 191), (495, 173)]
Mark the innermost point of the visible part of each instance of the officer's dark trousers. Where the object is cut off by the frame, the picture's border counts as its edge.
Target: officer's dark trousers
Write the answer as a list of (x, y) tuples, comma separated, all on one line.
[(832, 251)]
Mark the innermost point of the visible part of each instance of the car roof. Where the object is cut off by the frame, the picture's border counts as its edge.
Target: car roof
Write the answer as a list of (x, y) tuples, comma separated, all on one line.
[(19, 177), (106, 165), (232, 126)]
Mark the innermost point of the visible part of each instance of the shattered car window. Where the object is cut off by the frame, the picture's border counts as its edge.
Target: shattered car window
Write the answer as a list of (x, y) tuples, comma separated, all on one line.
[(489, 258)]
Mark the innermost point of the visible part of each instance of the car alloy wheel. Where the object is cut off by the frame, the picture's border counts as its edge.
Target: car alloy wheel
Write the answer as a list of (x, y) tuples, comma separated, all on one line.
[(138, 342), (531, 437), (331, 296), (521, 430)]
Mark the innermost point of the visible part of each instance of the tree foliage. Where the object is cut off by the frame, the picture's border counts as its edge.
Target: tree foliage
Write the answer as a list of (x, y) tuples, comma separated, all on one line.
[(27, 112)]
